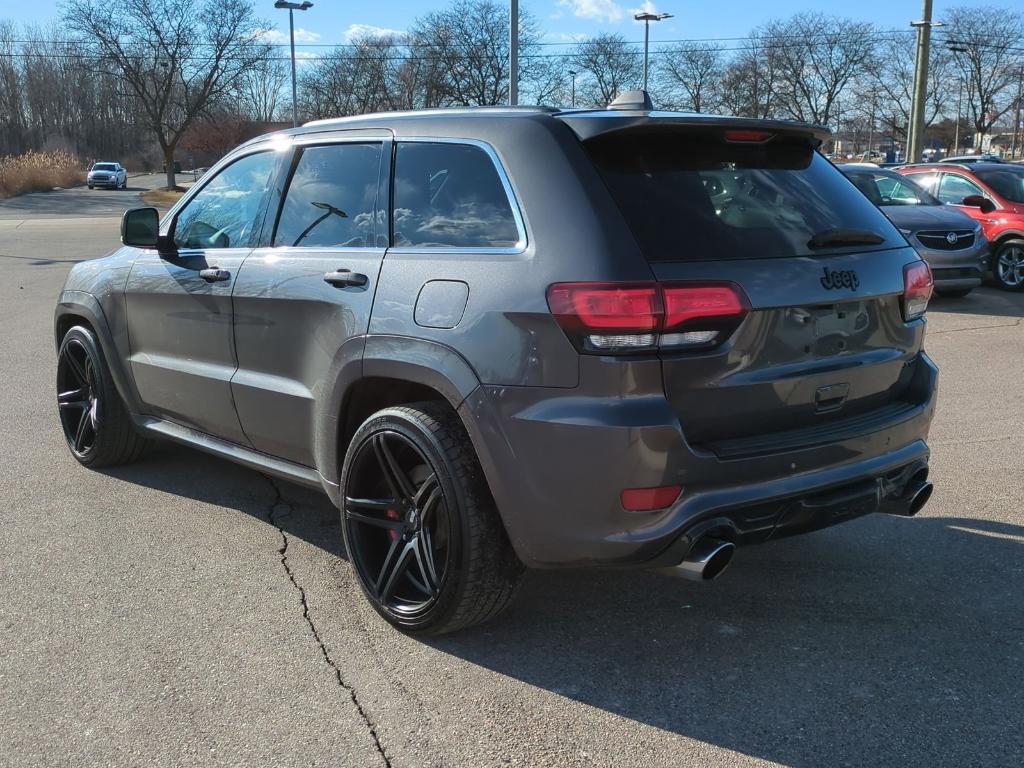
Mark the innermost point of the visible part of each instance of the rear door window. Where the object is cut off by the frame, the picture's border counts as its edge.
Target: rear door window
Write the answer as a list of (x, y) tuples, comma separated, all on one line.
[(332, 197), (954, 188), (691, 196), (449, 195)]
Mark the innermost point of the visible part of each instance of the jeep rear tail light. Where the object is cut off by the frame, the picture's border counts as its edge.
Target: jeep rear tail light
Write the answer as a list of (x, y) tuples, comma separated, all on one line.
[(604, 318), (917, 290)]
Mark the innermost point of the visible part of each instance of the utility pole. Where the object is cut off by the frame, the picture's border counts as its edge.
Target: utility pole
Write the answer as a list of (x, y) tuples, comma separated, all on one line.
[(513, 52), (292, 7), (647, 18), (924, 33), (572, 74), (959, 111)]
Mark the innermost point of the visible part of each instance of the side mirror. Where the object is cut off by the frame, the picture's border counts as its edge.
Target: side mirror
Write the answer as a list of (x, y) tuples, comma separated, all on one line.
[(979, 201), (140, 227)]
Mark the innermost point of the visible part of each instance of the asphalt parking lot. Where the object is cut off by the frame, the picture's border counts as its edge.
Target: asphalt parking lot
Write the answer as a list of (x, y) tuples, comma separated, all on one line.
[(183, 610)]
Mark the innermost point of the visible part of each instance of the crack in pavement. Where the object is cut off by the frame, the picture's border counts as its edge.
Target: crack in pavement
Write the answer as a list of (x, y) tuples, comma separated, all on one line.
[(978, 327), (283, 551)]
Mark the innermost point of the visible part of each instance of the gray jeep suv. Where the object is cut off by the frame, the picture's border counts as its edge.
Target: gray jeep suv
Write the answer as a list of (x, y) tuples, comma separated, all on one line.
[(510, 337)]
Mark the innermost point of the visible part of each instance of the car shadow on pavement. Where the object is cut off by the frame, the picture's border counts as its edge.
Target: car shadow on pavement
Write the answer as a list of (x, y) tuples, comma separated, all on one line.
[(986, 300), (884, 641), (301, 512)]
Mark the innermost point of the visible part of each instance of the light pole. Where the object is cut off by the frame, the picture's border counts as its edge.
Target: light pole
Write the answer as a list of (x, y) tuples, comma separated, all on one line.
[(572, 74), (960, 96), (292, 7), (647, 18)]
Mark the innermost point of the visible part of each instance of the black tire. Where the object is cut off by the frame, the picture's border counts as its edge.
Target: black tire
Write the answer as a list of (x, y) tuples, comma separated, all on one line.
[(1008, 265), (90, 186), (951, 293), (468, 571), (97, 426)]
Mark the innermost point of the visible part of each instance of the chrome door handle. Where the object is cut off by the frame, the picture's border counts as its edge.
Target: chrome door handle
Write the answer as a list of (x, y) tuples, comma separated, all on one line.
[(346, 278), (214, 275)]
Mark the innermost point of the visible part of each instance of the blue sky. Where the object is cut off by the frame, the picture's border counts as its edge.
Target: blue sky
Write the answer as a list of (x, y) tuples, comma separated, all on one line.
[(335, 21)]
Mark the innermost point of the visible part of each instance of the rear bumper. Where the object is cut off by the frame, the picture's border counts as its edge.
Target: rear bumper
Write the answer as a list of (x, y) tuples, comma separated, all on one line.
[(557, 461)]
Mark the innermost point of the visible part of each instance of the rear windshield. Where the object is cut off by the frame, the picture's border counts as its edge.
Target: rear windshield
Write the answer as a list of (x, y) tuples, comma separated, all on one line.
[(103, 167), (695, 197), (1007, 182)]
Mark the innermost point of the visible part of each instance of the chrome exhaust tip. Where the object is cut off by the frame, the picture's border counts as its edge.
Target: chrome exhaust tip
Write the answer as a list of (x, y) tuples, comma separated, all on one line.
[(706, 560), (919, 497)]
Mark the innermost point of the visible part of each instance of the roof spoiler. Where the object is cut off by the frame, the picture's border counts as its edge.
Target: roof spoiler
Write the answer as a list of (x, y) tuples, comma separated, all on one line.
[(589, 125)]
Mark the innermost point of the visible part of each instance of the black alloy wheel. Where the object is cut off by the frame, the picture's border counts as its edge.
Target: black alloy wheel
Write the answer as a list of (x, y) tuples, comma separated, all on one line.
[(77, 399), (419, 523), (398, 523), (97, 427)]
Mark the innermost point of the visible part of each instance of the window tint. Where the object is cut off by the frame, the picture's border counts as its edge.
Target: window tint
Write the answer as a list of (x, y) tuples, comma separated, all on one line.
[(691, 196), (953, 189), (224, 212), (332, 197), (1009, 183), (450, 195)]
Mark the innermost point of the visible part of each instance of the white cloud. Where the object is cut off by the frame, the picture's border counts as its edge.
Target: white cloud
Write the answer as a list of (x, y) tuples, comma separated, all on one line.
[(602, 10), (276, 36), (646, 7), (357, 31)]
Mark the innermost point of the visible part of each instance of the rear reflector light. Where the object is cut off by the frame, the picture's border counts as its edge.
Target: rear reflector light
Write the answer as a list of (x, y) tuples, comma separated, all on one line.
[(746, 135), (917, 289), (649, 499), (625, 317)]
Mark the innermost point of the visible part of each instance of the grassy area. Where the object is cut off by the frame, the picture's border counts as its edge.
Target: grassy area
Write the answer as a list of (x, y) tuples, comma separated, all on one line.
[(163, 197), (39, 172)]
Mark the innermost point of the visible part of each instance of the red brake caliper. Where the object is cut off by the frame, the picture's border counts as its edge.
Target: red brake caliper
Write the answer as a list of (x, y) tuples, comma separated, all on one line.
[(392, 515)]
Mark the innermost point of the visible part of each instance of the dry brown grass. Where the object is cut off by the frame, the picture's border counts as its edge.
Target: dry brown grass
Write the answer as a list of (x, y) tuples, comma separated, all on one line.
[(39, 172), (163, 197)]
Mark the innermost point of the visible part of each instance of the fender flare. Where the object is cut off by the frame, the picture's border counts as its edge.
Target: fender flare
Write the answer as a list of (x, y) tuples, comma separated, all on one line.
[(85, 305), (419, 361)]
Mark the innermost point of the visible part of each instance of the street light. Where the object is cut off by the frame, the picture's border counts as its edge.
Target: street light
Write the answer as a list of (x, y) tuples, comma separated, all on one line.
[(572, 74), (292, 7), (647, 18)]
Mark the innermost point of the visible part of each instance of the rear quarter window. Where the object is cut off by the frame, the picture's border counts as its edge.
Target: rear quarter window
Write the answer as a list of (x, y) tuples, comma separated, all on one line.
[(449, 195), (696, 197)]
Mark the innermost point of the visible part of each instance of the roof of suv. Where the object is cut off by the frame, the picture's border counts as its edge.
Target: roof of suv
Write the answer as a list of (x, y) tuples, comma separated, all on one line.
[(586, 123)]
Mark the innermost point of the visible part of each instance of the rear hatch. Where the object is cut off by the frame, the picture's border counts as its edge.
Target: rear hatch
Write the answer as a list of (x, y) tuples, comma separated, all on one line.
[(826, 344)]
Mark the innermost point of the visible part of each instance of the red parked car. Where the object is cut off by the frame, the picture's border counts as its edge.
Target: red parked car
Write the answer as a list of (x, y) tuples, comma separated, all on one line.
[(992, 194)]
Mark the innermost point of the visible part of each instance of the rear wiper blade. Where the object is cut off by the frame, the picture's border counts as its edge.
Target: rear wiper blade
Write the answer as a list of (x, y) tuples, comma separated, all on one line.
[(835, 238)]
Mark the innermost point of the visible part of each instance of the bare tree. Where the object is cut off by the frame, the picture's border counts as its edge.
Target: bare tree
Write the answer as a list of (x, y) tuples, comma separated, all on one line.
[(691, 76), (612, 66), (750, 81), (889, 80), (988, 43), (177, 56), (259, 88), (353, 81), (817, 58), (465, 52)]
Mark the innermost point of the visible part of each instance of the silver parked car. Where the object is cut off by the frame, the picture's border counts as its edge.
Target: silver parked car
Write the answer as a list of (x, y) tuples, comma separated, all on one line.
[(948, 239), (110, 175)]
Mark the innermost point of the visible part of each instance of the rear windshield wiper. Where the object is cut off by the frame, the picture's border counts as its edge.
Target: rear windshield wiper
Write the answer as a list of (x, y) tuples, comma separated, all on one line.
[(837, 238)]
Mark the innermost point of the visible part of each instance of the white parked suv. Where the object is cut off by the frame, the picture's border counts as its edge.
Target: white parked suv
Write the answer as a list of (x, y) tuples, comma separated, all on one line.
[(110, 175)]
